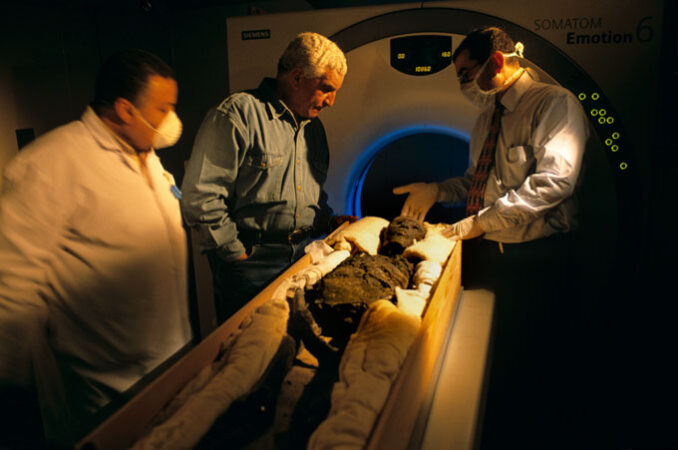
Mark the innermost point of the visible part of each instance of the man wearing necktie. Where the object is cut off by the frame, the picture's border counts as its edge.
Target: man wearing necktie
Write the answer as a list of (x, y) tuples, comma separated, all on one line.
[(526, 151)]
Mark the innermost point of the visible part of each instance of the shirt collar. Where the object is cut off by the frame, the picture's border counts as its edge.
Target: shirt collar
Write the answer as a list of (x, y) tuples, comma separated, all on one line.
[(102, 134), (276, 107), (107, 138), (512, 95)]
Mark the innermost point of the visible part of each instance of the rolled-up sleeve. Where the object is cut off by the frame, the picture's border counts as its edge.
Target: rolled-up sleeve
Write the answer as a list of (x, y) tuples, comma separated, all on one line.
[(558, 141), (455, 189), (209, 183)]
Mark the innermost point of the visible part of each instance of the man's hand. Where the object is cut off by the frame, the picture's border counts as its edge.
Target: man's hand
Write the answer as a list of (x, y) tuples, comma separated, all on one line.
[(420, 199), (338, 220), (464, 229)]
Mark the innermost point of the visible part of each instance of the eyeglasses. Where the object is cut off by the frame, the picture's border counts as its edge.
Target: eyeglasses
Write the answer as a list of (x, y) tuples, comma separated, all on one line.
[(464, 76)]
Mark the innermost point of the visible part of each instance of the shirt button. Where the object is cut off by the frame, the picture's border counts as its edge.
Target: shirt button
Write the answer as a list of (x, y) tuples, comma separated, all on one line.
[(298, 161), (298, 188)]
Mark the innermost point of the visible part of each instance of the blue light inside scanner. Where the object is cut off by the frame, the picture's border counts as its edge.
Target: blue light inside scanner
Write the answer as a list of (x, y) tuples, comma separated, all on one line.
[(362, 165)]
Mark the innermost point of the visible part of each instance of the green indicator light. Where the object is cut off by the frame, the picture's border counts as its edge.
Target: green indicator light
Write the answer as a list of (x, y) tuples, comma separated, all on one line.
[(614, 148), (608, 142), (615, 135), (601, 120), (623, 166), (595, 96), (582, 96), (594, 112), (610, 120), (602, 111)]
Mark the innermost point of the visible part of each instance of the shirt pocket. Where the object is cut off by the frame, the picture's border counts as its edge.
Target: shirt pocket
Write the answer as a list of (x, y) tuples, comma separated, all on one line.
[(513, 165), (260, 178), (263, 161)]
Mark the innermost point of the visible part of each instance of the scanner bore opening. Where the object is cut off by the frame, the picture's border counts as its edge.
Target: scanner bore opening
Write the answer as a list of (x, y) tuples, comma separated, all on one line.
[(418, 156)]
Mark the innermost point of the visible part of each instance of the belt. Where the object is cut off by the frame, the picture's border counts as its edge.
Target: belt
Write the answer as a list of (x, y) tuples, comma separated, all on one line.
[(254, 237)]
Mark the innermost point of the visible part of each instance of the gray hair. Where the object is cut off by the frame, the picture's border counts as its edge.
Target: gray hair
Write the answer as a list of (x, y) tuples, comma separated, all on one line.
[(314, 54)]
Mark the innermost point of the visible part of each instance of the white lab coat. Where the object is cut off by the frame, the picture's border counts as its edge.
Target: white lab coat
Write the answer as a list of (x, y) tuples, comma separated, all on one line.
[(92, 263)]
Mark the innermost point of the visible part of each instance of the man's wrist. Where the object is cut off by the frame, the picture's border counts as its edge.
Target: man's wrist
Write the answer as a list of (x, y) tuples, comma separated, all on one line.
[(232, 252)]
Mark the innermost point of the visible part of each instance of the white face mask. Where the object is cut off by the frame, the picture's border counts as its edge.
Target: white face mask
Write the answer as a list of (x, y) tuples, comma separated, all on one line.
[(168, 132), (482, 98)]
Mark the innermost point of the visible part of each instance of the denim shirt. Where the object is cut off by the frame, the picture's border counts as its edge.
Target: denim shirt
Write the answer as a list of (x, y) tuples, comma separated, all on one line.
[(254, 167)]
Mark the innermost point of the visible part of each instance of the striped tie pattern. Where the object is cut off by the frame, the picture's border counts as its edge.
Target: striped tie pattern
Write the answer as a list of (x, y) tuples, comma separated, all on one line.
[(476, 193)]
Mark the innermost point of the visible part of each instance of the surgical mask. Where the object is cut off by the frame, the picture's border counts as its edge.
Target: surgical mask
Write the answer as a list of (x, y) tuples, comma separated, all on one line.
[(168, 132), (483, 98)]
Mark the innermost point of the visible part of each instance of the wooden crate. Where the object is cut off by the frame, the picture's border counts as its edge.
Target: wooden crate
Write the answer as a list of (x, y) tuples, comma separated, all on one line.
[(399, 416)]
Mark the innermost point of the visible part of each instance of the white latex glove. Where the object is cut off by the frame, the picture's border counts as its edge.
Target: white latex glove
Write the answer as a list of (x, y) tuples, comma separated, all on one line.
[(420, 199), (464, 229)]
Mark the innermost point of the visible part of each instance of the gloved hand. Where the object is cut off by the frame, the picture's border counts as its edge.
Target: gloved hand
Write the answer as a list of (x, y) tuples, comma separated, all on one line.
[(338, 220), (464, 229), (420, 199)]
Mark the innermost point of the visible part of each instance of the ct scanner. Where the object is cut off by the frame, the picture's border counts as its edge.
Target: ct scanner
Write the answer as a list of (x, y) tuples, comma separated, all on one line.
[(401, 94), (400, 117)]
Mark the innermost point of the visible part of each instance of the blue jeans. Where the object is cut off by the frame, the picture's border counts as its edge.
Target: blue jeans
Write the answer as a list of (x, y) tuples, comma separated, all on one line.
[(237, 282)]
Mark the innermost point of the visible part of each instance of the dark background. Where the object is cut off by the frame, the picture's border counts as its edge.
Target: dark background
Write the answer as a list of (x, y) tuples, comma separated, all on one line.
[(50, 52)]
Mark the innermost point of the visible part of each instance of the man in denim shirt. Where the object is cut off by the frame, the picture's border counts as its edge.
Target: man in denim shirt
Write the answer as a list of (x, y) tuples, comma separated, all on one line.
[(253, 185)]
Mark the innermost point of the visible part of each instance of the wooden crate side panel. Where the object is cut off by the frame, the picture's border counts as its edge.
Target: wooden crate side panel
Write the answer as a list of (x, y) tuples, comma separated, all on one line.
[(397, 420)]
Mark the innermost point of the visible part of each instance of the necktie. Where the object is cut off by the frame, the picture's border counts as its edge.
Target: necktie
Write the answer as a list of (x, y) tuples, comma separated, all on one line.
[(476, 193)]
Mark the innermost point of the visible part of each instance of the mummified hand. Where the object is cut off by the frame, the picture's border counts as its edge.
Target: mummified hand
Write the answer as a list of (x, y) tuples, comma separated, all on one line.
[(303, 326)]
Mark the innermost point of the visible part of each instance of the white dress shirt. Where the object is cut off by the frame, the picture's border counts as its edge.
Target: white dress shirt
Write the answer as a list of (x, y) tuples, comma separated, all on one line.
[(93, 247), (536, 164)]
